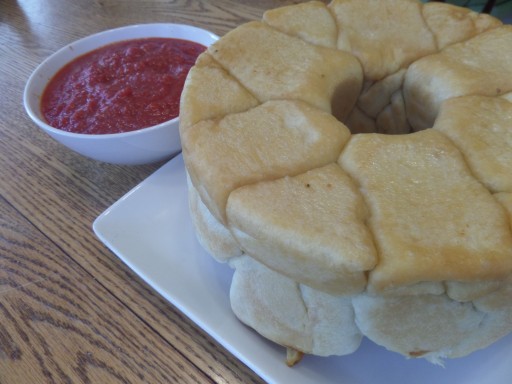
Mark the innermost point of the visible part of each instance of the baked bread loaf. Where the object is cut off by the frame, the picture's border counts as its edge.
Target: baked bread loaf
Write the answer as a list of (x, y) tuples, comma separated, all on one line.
[(352, 162)]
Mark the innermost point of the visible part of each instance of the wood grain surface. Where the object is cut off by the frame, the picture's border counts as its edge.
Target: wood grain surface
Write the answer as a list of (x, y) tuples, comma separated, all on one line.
[(70, 310)]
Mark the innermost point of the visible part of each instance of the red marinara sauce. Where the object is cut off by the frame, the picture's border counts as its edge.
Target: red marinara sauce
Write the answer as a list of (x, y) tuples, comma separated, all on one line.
[(120, 87)]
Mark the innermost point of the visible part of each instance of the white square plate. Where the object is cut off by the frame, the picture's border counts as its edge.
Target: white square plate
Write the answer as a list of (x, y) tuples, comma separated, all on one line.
[(151, 231)]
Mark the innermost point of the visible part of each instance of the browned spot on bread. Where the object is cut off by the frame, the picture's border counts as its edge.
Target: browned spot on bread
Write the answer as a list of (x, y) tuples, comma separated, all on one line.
[(293, 356), (418, 353)]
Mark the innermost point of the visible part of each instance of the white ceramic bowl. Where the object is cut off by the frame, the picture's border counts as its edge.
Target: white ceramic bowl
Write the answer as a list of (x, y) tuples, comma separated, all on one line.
[(136, 147)]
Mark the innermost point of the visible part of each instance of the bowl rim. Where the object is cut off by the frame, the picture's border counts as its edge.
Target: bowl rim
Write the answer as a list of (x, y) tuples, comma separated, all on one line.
[(91, 136)]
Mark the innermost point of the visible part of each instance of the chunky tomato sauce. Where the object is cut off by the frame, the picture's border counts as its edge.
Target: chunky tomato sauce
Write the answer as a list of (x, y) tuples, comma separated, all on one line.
[(120, 87)]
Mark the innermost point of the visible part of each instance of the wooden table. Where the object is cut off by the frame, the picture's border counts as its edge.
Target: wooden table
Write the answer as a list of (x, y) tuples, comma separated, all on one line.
[(70, 310)]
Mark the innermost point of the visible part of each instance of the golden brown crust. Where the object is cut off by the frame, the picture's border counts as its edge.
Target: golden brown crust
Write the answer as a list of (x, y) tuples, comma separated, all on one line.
[(481, 128), (223, 96), (275, 139), (311, 22), (293, 356), (310, 227), (370, 30), (430, 239), (273, 65), (478, 66), (451, 24), (432, 221)]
